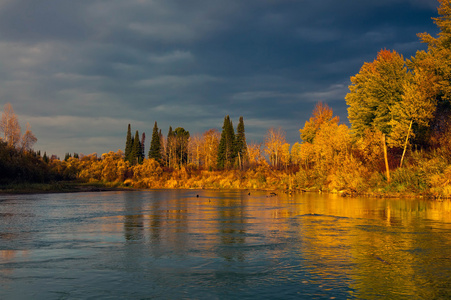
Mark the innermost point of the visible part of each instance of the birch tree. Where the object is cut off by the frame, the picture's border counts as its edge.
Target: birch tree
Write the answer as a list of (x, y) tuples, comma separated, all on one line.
[(28, 139), (274, 141), (10, 127)]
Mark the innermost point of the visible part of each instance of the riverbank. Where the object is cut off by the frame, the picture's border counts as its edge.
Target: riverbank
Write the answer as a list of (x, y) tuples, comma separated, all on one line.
[(58, 187), (79, 187)]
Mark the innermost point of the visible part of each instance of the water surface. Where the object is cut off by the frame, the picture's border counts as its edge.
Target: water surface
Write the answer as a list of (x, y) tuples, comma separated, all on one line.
[(174, 244)]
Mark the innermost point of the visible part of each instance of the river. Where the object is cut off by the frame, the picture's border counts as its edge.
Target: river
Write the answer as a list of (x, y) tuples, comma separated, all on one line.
[(189, 244)]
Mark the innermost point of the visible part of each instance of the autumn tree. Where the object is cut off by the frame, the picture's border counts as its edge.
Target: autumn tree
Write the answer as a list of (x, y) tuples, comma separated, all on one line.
[(147, 174), (227, 149), (274, 146), (435, 76), (322, 114), (10, 127), (254, 154), (155, 144), (113, 167), (210, 148), (285, 158), (164, 157), (439, 51), (171, 148), (296, 154), (28, 139), (374, 91), (414, 112), (195, 149), (328, 149)]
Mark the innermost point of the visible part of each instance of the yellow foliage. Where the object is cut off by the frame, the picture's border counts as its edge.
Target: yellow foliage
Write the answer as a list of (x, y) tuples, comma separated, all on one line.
[(370, 149), (113, 166), (149, 168)]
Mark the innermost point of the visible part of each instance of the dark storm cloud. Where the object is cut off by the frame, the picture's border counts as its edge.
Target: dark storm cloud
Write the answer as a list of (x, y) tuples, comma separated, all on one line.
[(80, 71)]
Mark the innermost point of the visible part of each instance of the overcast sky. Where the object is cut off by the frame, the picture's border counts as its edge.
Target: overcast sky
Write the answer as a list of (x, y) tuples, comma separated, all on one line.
[(80, 71)]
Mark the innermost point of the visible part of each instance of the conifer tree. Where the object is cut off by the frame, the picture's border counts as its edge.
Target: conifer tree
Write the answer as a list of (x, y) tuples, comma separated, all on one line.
[(241, 146), (67, 156), (155, 144), (182, 140), (227, 149), (45, 158), (128, 145), (136, 153), (143, 140)]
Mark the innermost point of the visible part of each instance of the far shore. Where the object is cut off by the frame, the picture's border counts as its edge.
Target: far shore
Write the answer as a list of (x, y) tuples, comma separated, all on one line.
[(80, 187), (57, 187)]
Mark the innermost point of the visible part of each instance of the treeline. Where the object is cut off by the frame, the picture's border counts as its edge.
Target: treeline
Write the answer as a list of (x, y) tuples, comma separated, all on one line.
[(17, 165), (210, 151), (18, 162), (399, 140)]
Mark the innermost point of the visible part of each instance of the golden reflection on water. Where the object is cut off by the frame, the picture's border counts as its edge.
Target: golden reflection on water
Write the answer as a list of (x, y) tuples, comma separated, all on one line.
[(379, 245), (375, 246)]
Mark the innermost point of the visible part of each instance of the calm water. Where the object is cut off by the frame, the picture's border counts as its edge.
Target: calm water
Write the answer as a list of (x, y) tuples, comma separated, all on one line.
[(222, 245)]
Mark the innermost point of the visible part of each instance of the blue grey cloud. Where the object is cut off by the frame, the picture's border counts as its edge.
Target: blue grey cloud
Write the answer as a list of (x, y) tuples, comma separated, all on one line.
[(80, 71)]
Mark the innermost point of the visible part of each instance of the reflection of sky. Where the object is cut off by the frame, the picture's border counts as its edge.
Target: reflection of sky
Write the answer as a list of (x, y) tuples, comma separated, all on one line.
[(223, 242), (80, 71)]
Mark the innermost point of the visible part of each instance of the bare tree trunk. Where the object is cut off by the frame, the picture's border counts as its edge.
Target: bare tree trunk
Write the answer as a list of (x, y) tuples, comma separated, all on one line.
[(384, 144), (405, 144)]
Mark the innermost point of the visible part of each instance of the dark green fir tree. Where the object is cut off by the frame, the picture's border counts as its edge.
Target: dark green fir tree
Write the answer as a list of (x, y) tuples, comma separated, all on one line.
[(227, 149), (182, 140), (128, 145), (155, 144), (240, 143), (45, 158), (136, 153), (143, 140)]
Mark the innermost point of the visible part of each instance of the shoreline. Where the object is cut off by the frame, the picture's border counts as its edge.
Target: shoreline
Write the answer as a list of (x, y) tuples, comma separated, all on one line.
[(80, 187), (57, 187)]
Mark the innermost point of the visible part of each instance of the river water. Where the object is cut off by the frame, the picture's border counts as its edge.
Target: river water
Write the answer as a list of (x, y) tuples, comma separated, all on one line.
[(187, 244)]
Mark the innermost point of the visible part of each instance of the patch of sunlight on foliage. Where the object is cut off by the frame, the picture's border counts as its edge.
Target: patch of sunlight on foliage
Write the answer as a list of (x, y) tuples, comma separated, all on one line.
[(407, 180)]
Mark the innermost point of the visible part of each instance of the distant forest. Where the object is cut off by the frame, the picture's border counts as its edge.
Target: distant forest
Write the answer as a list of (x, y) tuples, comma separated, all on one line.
[(399, 142)]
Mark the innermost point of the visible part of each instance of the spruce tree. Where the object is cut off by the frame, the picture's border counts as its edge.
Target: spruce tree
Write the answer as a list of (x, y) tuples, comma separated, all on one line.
[(67, 156), (45, 158), (143, 140), (231, 144), (182, 140), (241, 146), (136, 153), (227, 149), (155, 144), (162, 147), (128, 145), (170, 147)]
